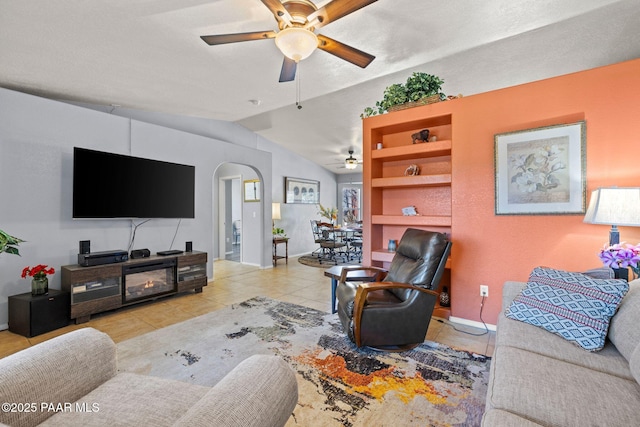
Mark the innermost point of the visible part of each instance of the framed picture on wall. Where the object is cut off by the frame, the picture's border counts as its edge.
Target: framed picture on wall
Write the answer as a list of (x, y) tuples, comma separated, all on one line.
[(299, 190), (252, 190), (541, 171)]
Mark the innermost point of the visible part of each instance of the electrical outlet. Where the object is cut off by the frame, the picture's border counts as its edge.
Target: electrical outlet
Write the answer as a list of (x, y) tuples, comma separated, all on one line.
[(484, 290)]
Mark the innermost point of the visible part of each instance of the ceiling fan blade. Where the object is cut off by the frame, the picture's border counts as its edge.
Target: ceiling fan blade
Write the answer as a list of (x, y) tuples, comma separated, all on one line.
[(341, 50), (336, 10), (288, 72), (278, 10), (238, 37)]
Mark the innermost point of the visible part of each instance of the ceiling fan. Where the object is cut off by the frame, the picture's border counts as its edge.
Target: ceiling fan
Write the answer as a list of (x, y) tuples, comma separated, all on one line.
[(297, 21), (351, 162)]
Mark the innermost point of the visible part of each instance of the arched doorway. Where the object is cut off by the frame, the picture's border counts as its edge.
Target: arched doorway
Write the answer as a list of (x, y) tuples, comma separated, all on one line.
[(239, 219)]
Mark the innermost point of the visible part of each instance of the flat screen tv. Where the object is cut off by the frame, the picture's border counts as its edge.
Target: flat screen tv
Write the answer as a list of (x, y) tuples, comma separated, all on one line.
[(108, 185)]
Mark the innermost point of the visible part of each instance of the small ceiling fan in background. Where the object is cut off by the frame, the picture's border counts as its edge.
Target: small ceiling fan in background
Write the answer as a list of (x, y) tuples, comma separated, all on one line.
[(348, 163), (297, 21)]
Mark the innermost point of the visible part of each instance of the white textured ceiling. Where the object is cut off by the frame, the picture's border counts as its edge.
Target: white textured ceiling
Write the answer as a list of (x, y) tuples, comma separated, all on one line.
[(148, 55)]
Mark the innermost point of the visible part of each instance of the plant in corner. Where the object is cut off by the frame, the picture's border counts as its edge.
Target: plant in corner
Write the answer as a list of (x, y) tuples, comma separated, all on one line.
[(417, 86), (8, 243)]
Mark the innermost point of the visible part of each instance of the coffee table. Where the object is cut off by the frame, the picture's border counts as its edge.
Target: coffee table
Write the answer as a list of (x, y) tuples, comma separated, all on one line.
[(356, 276)]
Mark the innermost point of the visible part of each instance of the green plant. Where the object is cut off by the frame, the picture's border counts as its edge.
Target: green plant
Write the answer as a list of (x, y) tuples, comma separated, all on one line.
[(330, 213), (420, 85), (8, 243), (278, 231), (417, 86)]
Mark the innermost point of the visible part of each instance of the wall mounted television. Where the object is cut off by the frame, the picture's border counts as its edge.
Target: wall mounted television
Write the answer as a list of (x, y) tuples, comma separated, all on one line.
[(108, 185)]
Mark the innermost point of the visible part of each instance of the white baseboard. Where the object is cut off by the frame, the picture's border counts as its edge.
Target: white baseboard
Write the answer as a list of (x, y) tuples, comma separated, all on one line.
[(4, 326), (471, 323)]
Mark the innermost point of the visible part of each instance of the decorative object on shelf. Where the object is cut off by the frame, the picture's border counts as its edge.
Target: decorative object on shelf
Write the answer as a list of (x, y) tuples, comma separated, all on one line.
[(298, 190), (614, 206), (39, 281), (419, 89), (445, 300), (412, 170), (409, 211), (379, 146), (541, 171), (422, 136), (330, 213), (620, 257), (433, 138), (8, 243), (391, 247)]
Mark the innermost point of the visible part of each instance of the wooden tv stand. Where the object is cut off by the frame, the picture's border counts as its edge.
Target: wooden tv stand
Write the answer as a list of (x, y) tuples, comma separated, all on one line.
[(100, 288)]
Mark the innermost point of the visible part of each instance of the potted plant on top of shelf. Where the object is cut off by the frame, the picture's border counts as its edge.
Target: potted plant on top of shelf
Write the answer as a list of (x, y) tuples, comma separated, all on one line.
[(419, 89)]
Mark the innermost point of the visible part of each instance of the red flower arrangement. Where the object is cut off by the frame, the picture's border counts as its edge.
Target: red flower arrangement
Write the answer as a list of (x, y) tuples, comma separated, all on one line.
[(40, 271)]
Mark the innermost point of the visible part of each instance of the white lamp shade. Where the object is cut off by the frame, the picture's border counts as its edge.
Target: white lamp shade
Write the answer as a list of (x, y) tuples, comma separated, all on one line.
[(614, 206), (275, 211), (296, 43)]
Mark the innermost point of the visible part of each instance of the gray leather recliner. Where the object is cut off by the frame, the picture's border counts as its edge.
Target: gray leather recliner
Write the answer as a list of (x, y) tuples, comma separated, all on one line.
[(394, 314)]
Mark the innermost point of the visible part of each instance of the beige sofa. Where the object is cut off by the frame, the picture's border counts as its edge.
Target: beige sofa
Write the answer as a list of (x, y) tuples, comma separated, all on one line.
[(540, 379), (72, 380)]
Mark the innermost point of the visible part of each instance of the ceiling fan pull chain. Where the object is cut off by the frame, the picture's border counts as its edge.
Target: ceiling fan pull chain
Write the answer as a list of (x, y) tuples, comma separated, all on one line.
[(298, 75)]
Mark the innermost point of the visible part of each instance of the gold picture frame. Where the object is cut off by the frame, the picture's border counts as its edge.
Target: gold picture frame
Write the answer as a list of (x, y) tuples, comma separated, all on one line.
[(252, 190)]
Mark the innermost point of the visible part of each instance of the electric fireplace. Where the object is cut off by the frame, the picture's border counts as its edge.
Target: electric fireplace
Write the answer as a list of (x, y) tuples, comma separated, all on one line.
[(146, 280)]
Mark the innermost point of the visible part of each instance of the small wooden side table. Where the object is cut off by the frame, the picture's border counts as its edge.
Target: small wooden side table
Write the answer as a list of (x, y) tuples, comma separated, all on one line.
[(276, 257), (334, 274)]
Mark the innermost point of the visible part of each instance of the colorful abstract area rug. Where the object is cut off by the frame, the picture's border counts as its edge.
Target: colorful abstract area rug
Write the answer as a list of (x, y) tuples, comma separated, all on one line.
[(339, 385)]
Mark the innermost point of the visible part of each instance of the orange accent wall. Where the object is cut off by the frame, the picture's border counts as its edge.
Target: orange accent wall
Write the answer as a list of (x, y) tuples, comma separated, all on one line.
[(490, 249)]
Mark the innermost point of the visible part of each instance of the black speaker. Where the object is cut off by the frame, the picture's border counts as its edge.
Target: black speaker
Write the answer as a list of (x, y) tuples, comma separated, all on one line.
[(140, 253), (85, 247), (189, 247)]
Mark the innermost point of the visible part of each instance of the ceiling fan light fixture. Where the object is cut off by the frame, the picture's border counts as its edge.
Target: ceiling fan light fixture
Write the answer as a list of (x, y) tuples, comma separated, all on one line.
[(296, 43), (350, 162)]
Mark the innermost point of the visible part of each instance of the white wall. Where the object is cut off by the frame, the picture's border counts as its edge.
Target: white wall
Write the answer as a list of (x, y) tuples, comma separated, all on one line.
[(295, 216), (37, 137)]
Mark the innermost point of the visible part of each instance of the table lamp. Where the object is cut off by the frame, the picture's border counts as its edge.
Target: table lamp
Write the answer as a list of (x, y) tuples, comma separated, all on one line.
[(275, 213), (614, 206)]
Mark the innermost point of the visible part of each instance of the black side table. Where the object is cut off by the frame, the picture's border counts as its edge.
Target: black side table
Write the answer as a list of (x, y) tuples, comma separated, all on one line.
[(31, 315)]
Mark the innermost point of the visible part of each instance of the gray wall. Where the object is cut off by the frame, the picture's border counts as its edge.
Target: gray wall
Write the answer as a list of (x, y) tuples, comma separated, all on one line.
[(37, 137)]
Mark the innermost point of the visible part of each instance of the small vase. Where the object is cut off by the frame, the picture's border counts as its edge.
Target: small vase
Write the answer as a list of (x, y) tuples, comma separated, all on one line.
[(445, 301), (392, 246), (621, 273), (39, 286)]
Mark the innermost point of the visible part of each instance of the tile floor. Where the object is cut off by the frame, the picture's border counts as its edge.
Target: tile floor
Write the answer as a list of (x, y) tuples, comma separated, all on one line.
[(233, 283)]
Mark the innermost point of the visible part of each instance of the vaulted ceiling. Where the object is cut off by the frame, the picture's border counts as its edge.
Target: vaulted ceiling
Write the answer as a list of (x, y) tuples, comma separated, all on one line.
[(148, 55)]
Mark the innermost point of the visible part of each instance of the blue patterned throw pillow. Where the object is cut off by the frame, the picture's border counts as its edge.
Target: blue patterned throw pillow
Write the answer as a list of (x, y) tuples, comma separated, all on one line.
[(573, 305)]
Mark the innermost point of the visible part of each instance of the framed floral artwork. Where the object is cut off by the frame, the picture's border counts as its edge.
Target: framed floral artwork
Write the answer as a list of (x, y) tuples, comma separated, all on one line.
[(541, 171)]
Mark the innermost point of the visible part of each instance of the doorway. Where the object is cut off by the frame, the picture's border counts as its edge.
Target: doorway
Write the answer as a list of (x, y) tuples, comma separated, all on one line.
[(230, 214)]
